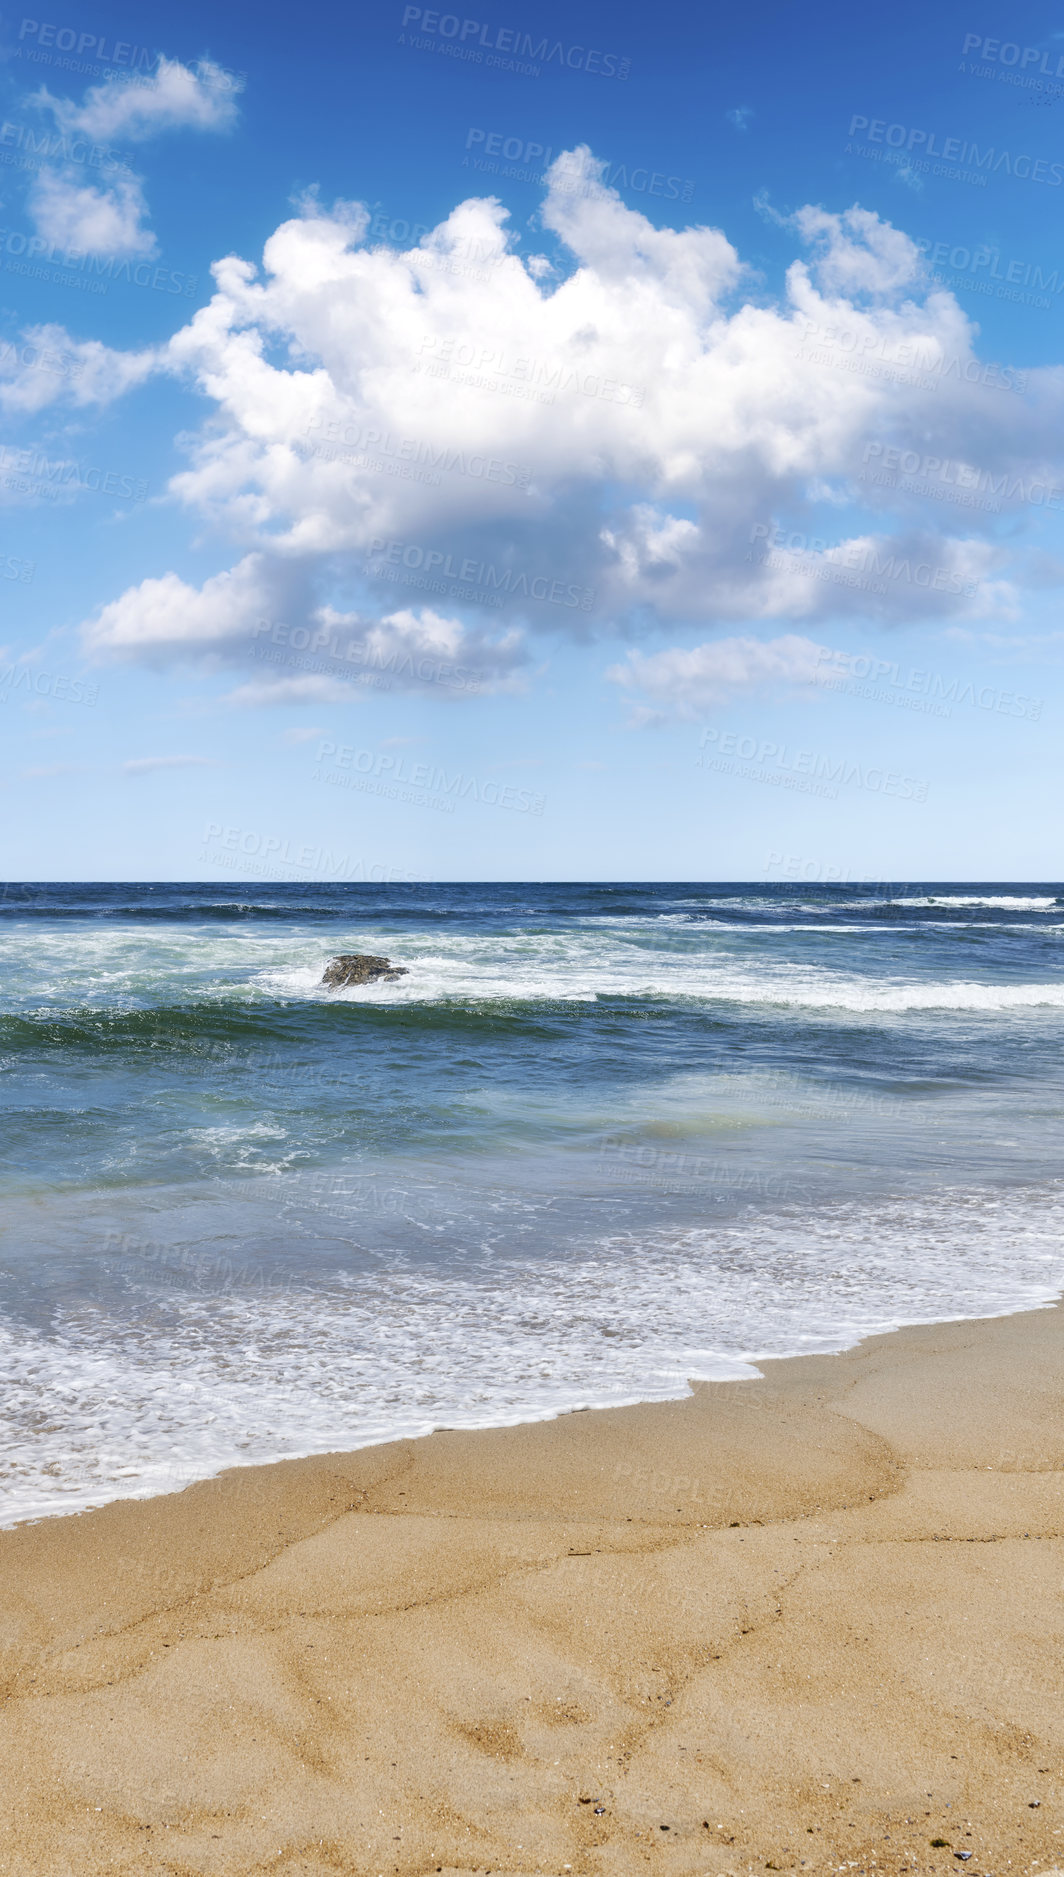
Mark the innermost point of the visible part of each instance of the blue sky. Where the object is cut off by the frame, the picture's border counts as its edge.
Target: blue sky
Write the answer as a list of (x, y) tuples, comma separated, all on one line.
[(538, 443)]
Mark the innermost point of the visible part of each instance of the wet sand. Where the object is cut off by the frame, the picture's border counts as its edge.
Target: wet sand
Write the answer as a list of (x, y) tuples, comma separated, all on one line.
[(813, 1621)]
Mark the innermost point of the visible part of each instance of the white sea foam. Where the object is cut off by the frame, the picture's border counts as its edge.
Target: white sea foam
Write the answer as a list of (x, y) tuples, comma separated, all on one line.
[(720, 980), (118, 968), (1005, 902), (114, 1405), (861, 995)]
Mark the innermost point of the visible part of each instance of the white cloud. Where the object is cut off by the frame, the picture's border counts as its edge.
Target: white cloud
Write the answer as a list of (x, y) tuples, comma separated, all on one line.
[(740, 117), (691, 268), (78, 216), (794, 575), (164, 617), (246, 615), (44, 365), (306, 690), (175, 97), (686, 681), (427, 650), (75, 216), (856, 253), (631, 428)]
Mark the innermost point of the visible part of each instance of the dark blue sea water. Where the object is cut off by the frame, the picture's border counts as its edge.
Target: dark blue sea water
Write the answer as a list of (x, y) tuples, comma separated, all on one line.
[(600, 1139)]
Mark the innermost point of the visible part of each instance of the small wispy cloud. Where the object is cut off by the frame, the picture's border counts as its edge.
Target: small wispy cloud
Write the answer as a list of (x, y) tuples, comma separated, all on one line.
[(684, 681), (74, 215), (309, 691), (141, 765), (176, 97), (740, 116)]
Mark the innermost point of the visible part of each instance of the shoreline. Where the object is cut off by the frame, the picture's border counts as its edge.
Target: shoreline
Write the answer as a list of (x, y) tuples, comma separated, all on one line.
[(805, 1621), (747, 1367)]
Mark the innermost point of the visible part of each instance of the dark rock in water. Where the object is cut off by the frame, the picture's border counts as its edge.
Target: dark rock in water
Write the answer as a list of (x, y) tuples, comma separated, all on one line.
[(359, 968)]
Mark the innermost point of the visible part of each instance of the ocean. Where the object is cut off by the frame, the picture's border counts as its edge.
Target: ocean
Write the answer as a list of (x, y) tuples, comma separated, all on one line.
[(600, 1140)]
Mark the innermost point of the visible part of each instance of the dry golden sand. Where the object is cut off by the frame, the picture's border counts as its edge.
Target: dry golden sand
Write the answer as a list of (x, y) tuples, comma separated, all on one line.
[(814, 1620)]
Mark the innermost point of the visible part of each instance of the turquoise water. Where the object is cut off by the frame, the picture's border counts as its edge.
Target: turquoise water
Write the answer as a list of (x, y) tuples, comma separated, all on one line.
[(599, 1140)]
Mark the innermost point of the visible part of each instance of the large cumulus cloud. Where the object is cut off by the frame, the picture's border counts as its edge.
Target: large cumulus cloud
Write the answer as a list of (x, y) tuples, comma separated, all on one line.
[(625, 432)]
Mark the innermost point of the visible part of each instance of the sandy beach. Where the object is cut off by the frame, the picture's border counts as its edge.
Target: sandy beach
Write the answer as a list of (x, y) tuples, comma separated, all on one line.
[(811, 1621)]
